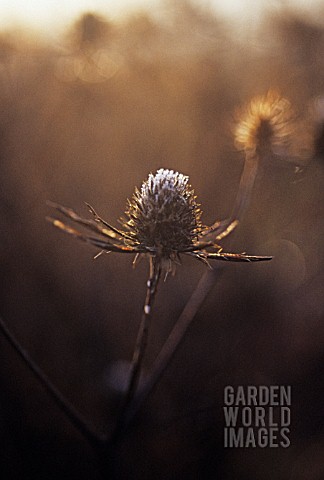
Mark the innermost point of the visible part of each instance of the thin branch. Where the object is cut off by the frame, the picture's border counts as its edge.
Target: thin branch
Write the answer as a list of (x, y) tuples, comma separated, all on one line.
[(140, 346), (94, 438), (246, 185)]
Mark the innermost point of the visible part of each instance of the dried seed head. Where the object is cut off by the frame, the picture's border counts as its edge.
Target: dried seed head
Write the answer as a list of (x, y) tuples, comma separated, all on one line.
[(266, 125), (163, 221), (163, 216)]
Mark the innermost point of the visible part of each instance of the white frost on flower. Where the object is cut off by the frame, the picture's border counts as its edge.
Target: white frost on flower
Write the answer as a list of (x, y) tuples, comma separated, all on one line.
[(164, 179)]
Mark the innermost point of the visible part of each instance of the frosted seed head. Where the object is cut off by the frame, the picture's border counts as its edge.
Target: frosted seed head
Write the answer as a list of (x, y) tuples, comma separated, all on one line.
[(163, 216)]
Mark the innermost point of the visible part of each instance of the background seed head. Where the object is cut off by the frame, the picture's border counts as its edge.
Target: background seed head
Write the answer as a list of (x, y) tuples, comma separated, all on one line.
[(267, 124)]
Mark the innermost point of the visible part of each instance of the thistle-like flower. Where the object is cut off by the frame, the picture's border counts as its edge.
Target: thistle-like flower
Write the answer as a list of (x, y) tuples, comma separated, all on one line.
[(267, 124), (162, 220)]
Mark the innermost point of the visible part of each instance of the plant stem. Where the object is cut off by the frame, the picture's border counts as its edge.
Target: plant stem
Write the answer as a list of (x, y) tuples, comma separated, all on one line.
[(95, 439), (247, 180), (140, 346)]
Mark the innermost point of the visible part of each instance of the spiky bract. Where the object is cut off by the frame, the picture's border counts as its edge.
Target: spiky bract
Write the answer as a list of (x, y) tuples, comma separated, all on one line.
[(163, 221)]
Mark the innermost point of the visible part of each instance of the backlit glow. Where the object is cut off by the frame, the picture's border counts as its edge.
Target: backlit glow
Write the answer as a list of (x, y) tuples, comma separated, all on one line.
[(44, 14)]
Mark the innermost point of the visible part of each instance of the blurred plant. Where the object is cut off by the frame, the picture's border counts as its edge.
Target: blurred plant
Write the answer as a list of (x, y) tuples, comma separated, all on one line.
[(163, 221), (88, 56), (267, 126)]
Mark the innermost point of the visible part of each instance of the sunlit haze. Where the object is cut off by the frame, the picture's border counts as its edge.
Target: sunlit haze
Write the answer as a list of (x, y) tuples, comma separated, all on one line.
[(42, 14)]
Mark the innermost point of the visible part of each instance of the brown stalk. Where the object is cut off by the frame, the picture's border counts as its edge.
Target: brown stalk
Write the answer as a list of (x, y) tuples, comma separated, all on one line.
[(140, 346), (95, 439)]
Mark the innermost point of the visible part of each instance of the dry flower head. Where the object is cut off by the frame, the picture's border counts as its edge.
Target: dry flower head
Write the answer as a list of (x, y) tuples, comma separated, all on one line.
[(270, 125), (266, 125), (163, 220)]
